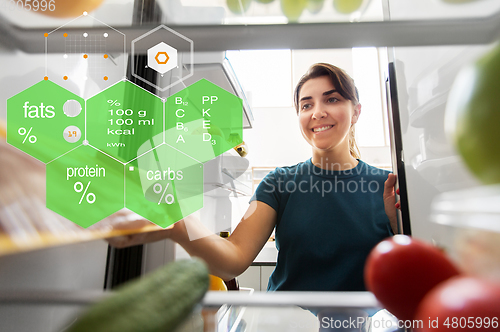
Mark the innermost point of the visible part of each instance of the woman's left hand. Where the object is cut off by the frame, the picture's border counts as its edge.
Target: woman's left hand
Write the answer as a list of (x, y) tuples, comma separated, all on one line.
[(390, 203)]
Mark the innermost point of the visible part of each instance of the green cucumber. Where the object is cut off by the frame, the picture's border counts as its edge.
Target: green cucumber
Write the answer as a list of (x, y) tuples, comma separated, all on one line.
[(159, 301)]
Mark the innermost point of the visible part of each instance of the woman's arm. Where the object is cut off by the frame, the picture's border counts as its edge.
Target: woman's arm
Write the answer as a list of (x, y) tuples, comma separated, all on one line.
[(226, 258)]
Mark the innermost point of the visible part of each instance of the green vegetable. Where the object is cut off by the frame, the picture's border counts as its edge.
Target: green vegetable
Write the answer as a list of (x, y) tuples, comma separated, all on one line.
[(158, 302), (473, 115)]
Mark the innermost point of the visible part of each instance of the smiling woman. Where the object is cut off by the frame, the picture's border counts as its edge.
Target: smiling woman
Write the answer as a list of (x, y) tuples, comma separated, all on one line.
[(331, 209), (328, 212)]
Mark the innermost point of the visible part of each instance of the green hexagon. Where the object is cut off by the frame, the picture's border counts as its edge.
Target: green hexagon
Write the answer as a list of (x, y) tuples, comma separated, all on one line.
[(121, 118), (164, 186), (85, 186), (203, 120), (45, 121)]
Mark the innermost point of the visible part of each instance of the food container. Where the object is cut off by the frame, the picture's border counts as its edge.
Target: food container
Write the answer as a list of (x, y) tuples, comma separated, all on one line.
[(474, 215)]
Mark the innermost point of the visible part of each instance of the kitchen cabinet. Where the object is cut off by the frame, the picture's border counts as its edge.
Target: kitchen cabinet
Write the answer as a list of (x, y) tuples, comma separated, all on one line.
[(258, 273), (256, 276), (251, 278)]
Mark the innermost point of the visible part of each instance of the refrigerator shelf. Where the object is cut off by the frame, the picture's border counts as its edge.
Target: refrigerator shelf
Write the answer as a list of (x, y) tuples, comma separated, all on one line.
[(210, 38), (471, 208), (211, 299)]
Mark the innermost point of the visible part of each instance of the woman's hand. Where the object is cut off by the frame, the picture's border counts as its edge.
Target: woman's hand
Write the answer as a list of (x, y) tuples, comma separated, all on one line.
[(124, 241), (183, 231), (126, 220), (390, 203)]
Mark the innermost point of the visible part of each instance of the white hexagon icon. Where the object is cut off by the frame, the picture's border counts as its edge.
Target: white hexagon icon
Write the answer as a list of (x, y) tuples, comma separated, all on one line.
[(181, 67), (162, 58)]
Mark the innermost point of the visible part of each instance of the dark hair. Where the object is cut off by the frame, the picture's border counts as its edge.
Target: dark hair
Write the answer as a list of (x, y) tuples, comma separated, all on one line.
[(344, 85), (342, 82)]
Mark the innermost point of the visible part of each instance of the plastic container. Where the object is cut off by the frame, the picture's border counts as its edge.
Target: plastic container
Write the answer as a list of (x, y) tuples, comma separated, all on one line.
[(475, 215)]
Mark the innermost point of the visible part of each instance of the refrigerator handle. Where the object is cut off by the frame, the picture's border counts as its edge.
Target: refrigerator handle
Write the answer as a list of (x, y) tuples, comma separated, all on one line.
[(397, 158)]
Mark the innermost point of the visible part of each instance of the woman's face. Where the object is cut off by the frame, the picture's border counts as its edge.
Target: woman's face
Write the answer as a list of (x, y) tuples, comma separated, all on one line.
[(325, 117)]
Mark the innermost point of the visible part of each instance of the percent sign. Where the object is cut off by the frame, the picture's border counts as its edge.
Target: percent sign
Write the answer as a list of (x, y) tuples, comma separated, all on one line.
[(157, 188), (113, 102), (78, 187), (22, 131)]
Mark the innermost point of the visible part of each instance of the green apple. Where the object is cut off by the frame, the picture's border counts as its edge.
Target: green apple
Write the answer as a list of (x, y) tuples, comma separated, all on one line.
[(473, 116), (347, 6), (264, 1), (292, 9), (235, 6), (315, 6)]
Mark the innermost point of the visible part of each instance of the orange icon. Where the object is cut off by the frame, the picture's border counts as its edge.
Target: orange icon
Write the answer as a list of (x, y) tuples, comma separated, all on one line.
[(158, 60)]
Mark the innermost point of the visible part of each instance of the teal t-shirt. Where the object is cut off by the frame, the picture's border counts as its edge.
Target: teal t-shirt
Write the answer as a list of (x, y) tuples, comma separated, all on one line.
[(328, 221)]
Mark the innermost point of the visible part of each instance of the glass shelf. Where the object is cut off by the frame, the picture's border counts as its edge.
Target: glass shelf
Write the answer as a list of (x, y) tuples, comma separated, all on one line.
[(248, 12), (471, 208), (202, 12), (212, 26), (246, 310)]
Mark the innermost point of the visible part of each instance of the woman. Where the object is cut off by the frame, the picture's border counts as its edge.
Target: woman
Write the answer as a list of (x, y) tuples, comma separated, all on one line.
[(328, 211)]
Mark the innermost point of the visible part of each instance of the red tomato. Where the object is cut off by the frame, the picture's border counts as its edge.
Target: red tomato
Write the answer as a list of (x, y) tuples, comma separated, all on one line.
[(461, 304), (399, 271)]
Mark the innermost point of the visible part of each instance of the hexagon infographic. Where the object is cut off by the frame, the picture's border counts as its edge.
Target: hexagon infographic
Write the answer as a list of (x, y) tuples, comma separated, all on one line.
[(45, 121), (121, 118), (162, 58), (124, 147), (163, 44), (76, 47), (166, 186), (203, 121), (85, 186)]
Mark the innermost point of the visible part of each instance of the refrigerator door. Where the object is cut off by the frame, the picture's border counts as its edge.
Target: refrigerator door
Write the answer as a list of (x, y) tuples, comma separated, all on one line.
[(397, 158), (424, 77)]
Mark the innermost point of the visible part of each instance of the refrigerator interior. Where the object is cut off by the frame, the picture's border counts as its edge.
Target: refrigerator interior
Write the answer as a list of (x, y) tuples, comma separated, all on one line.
[(424, 75)]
